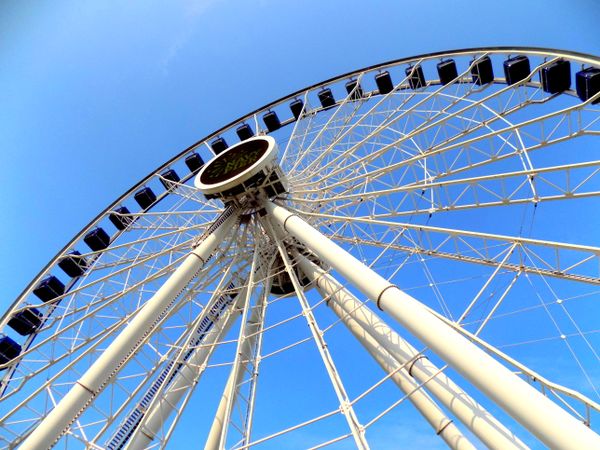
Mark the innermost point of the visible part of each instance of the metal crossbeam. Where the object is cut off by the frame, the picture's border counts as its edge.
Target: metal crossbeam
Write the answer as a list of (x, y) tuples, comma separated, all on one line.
[(549, 258)]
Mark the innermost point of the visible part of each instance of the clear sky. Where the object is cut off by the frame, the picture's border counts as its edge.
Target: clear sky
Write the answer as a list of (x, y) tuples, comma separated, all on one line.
[(95, 95)]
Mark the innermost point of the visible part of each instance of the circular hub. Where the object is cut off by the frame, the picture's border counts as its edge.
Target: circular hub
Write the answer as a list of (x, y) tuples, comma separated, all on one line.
[(245, 169)]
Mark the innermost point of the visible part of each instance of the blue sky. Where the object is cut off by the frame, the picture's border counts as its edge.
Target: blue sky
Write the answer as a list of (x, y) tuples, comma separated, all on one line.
[(95, 95)]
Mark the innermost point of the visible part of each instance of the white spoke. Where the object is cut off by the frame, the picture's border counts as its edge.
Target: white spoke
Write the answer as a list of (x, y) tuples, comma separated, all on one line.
[(456, 191), (345, 405)]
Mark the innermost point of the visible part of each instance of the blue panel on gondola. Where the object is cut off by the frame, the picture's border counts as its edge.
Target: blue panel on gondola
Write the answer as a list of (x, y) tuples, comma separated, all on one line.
[(97, 239), (169, 179), (447, 71), (354, 90), (516, 69), (326, 98), (556, 77), (145, 197), (244, 132), (194, 162), (49, 288), (384, 82), (26, 322), (9, 349), (272, 121), (219, 145), (417, 79), (73, 264), (296, 108), (482, 71), (120, 218), (587, 82)]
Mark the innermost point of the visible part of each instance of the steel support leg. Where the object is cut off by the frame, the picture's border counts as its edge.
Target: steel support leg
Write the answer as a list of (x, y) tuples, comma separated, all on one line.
[(185, 379), (551, 424), (108, 364), (391, 351), (216, 437)]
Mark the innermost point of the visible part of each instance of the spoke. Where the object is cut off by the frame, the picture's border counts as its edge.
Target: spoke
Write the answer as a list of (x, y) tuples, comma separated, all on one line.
[(218, 434), (255, 364), (122, 348), (471, 154), (386, 190), (287, 153), (441, 119), (500, 189), (498, 303), (346, 119), (362, 118), (345, 405), (509, 252), (389, 123), (101, 335), (185, 382), (481, 248), (492, 378), (106, 333), (181, 356), (533, 376)]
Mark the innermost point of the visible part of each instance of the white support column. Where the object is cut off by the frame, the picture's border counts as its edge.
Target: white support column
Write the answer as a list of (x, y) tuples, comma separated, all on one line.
[(551, 424), (216, 437), (185, 379), (108, 364), (390, 350), (218, 431), (257, 358)]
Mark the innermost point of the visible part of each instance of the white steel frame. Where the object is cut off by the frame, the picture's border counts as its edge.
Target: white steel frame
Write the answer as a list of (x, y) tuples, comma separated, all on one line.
[(545, 419), (361, 171)]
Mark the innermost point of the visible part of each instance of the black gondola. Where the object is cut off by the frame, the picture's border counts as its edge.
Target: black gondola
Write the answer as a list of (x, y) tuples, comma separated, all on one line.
[(271, 121), (26, 322), (194, 162), (9, 349), (447, 71), (244, 132), (169, 179), (384, 83), (516, 69), (587, 82), (145, 197), (354, 90), (556, 77), (219, 145), (482, 71), (49, 288), (73, 264), (120, 217), (417, 79), (326, 98), (97, 239), (296, 108)]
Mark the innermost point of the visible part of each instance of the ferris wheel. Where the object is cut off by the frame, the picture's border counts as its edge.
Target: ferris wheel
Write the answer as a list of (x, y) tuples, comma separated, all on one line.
[(407, 252)]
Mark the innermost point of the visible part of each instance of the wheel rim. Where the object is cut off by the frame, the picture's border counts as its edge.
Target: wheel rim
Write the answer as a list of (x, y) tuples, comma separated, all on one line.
[(398, 180)]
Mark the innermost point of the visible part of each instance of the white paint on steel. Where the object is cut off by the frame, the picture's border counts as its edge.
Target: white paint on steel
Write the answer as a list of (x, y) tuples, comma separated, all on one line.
[(221, 423), (390, 350), (83, 392), (356, 428), (216, 436), (185, 379), (546, 420)]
